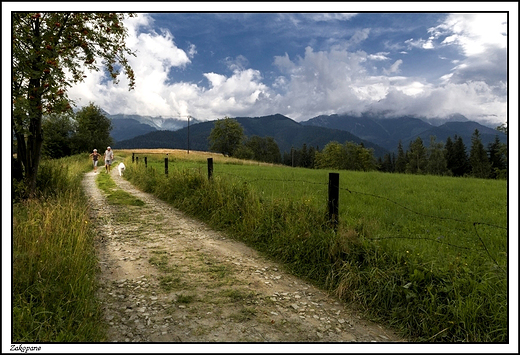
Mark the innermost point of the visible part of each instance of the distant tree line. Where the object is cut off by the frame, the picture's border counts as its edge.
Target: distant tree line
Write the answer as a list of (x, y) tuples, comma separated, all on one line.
[(303, 157), (450, 159)]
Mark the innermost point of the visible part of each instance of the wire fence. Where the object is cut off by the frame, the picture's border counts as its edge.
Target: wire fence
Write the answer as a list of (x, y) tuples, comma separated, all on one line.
[(439, 240)]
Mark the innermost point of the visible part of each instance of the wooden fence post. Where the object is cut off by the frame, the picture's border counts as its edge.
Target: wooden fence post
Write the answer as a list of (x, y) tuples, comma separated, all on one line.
[(166, 165), (133, 157), (136, 160), (333, 199), (210, 168), (145, 162)]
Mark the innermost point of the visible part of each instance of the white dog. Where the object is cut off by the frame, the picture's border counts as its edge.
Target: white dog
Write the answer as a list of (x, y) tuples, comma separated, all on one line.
[(121, 168)]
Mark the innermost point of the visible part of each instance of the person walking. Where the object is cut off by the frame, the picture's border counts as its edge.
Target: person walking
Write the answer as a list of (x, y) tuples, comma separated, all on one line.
[(95, 157), (109, 158)]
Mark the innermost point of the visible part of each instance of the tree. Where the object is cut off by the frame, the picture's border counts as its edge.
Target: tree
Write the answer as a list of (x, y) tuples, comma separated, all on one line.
[(456, 156), (416, 157), (92, 130), (57, 141), (359, 158), (312, 155), (497, 159), (348, 156), (244, 152), (226, 136), (503, 153), (401, 161), (436, 158), (387, 163), (52, 51), (305, 157), (502, 128), (333, 156), (480, 166), (263, 149)]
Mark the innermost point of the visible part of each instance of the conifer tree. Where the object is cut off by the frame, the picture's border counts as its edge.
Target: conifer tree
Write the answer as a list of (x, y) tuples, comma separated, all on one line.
[(480, 166), (436, 158), (416, 157), (456, 157), (496, 159), (401, 161)]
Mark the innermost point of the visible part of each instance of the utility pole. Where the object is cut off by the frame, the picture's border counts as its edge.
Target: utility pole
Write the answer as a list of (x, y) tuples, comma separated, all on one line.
[(189, 134)]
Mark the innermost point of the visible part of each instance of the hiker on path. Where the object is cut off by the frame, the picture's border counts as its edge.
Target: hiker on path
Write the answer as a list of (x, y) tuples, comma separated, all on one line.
[(109, 158), (95, 157)]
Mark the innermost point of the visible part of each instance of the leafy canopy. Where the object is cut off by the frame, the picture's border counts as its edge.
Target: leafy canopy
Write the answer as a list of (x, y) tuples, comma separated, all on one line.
[(50, 53), (226, 136), (54, 50)]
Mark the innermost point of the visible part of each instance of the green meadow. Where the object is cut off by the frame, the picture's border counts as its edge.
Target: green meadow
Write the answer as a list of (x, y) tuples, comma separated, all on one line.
[(424, 254)]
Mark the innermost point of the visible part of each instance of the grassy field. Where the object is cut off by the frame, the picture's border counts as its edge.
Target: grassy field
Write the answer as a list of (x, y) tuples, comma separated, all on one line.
[(425, 254)]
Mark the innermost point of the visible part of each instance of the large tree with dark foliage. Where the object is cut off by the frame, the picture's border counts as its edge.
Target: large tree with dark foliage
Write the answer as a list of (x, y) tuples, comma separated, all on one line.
[(497, 152), (52, 51), (92, 130), (456, 156), (264, 149), (226, 136), (59, 129)]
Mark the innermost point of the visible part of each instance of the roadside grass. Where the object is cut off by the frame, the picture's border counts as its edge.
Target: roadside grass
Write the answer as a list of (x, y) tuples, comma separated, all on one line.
[(406, 249), (114, 195), (54, 262)]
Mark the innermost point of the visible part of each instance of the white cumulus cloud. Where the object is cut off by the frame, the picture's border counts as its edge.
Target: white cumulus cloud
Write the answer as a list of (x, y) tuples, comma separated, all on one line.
[(336, 80)]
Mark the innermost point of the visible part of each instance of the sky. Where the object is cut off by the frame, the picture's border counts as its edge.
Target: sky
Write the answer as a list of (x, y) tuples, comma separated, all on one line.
[(261, 61), (300, 64)]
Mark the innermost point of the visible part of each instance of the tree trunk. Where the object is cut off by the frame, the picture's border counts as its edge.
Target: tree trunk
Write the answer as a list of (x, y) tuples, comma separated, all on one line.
[(29, 152)]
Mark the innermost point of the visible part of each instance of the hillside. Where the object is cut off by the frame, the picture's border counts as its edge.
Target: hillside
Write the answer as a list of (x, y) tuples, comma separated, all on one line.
[(286, 132), (387, 132), (461, 129), (130, 126), (126, 128)]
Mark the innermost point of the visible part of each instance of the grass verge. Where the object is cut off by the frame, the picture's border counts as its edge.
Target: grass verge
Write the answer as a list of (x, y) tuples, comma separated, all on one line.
[(54, 260)]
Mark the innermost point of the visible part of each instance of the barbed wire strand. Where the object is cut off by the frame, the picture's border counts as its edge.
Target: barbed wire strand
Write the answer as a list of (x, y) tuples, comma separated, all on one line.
[(485, 247)]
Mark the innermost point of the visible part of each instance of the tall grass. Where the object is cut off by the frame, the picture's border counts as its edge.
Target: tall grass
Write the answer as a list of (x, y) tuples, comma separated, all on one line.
[(54, 260), (433, 279)]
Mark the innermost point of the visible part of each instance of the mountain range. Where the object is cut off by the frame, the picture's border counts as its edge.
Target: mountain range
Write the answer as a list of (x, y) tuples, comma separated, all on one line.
[(387, 132), (286, 132), (381, 134)]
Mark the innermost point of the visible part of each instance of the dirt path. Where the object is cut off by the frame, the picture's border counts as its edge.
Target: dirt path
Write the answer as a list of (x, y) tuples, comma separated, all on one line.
[(168, 278)]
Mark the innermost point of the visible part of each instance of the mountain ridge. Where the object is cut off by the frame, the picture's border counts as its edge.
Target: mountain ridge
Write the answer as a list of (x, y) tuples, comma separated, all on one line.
[(381, 134), (286, 132), (387, 132)]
